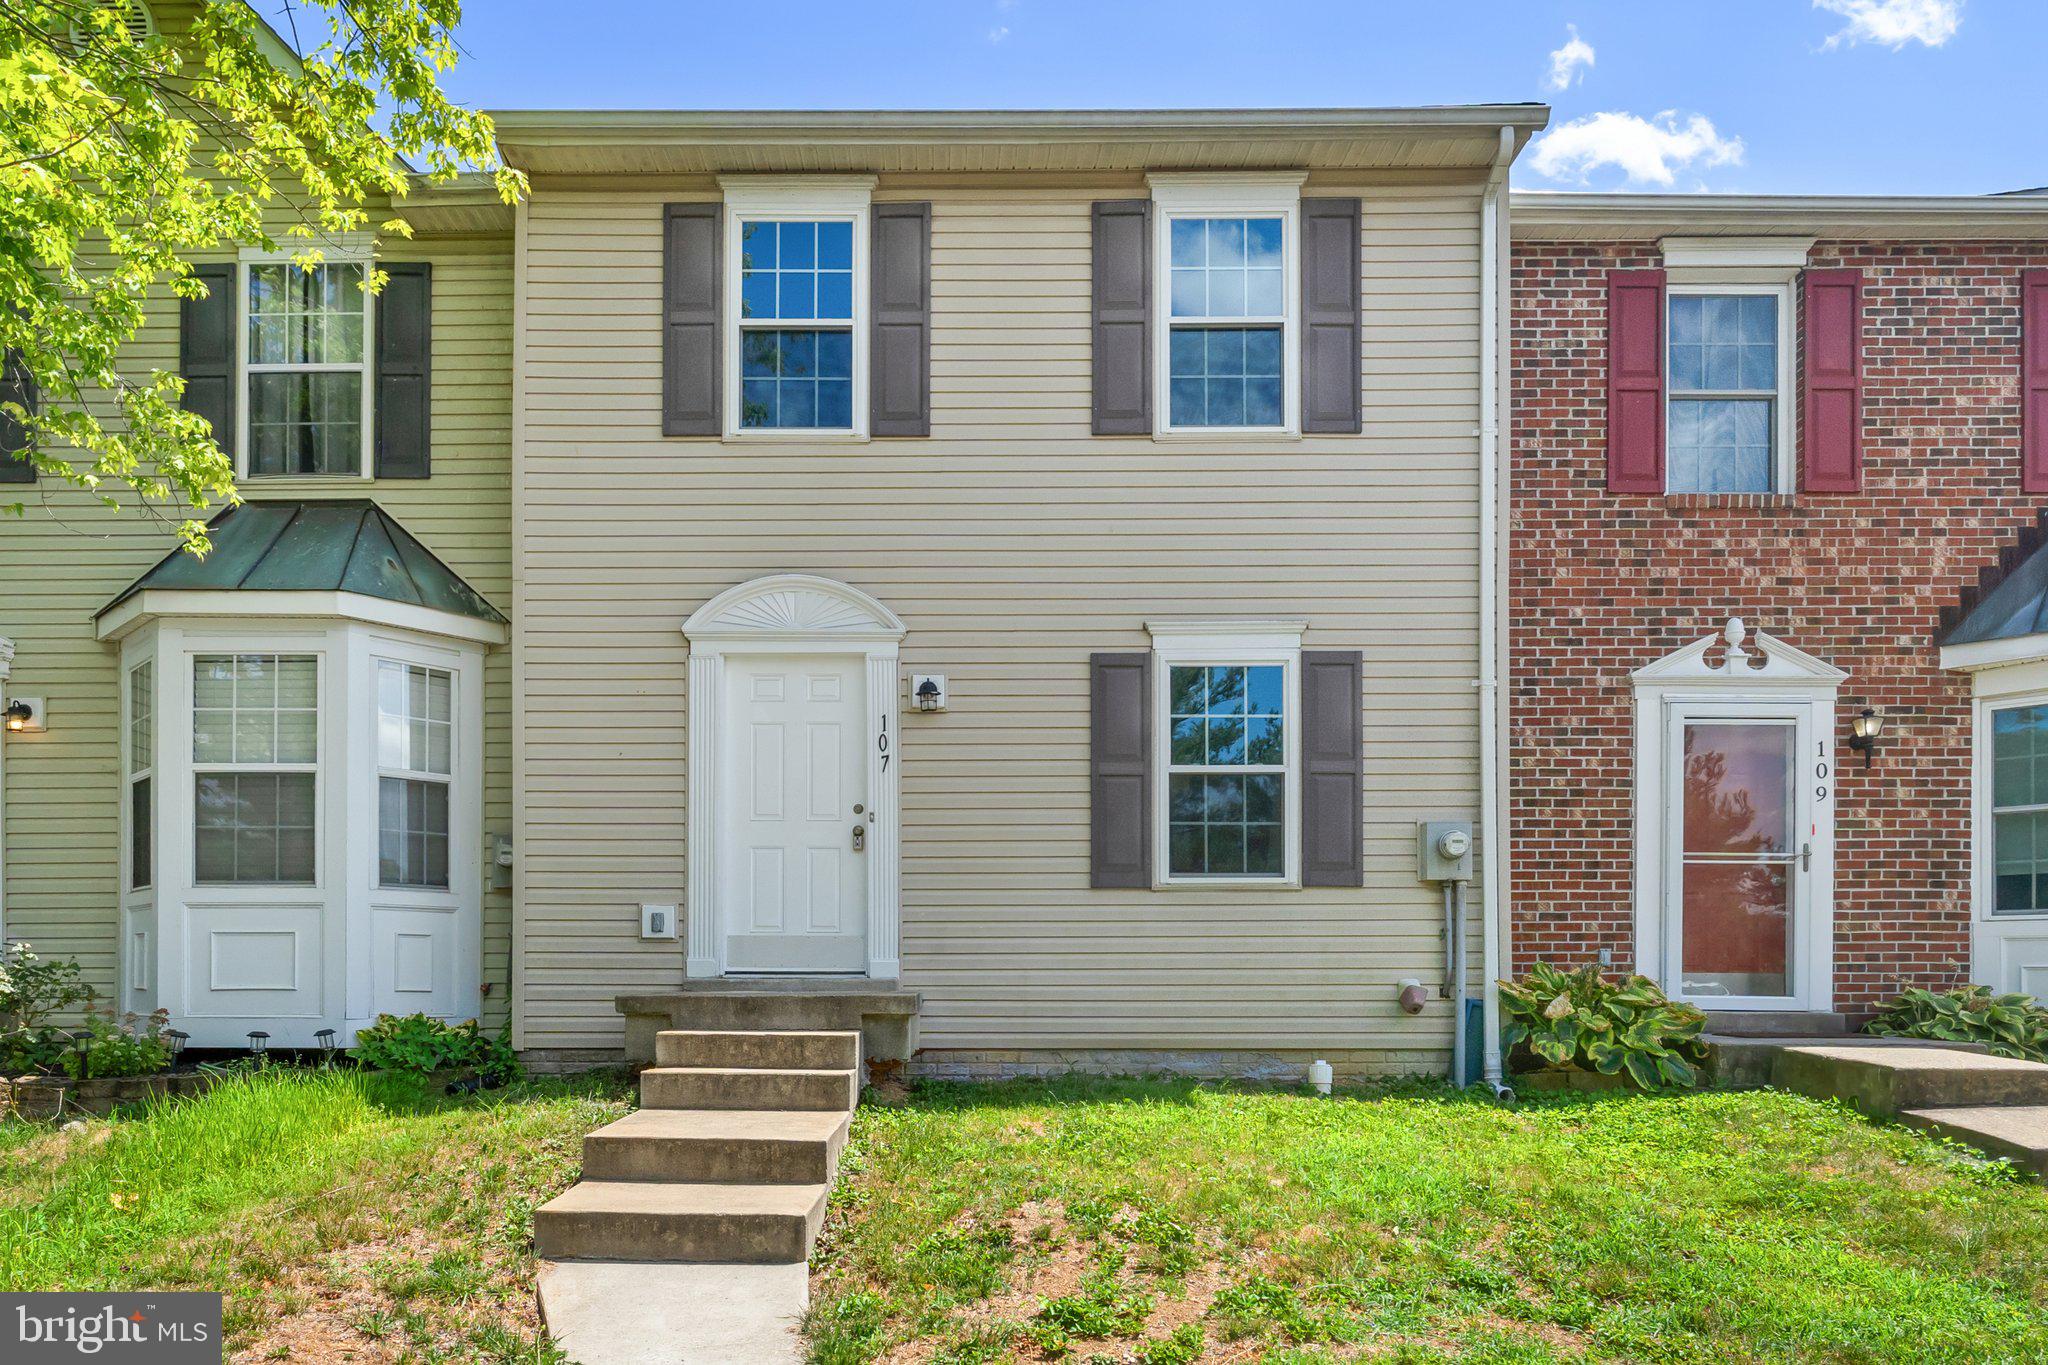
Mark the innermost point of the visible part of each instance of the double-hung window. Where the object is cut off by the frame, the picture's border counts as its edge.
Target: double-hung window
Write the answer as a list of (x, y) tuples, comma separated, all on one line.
[(141, 767), (306, 368), (415, 771), (796, 330), (1728, 360), (255, 755), (1228, 271)]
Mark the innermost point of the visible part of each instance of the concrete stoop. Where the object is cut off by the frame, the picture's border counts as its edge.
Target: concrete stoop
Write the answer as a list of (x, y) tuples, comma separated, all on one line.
[(727, 1165), (1997, 1104)]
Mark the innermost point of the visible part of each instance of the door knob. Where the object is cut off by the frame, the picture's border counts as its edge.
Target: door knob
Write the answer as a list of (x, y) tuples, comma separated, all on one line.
[(860, 837)]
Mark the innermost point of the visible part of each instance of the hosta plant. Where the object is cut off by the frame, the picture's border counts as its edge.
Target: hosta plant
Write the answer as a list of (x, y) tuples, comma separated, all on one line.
[(2010, 1025), (1581, 1019)]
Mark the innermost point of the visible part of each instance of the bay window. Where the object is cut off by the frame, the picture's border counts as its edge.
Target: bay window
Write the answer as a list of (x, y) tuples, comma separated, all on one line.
[(415, 767)]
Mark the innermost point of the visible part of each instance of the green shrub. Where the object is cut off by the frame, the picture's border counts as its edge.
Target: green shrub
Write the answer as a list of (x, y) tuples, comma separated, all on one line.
[(124, 1045), (2010, 1025), (421, 1043), (32, 990), (1581, 1019)]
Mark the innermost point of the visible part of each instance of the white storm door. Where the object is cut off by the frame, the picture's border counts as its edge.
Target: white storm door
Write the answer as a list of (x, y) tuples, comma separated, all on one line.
[(793, 815), (1741, 847)]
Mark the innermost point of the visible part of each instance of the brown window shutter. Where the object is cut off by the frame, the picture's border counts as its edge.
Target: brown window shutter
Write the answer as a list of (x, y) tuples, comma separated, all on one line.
[(17, 385), (900, 356), (1831, 417), (206, 352), (1121, 365), (1120, 770), (1635, 381), (1330, 370), (690, 271), (405, 324), (2034, 379), (1332, 768)]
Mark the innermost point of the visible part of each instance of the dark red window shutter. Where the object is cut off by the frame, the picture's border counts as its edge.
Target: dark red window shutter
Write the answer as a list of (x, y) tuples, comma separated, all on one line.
[(1831, 425), (2034, 380), (1635, 381)]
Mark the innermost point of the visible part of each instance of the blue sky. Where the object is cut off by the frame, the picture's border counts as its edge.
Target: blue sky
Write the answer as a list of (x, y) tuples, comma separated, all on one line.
[(1763, 96)]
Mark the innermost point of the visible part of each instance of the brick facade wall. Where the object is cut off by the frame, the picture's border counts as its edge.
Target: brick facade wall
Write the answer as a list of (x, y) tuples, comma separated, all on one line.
[(1604, 583)]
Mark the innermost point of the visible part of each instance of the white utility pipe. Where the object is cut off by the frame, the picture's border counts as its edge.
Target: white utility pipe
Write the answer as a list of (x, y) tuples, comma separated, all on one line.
[(1493, 246)]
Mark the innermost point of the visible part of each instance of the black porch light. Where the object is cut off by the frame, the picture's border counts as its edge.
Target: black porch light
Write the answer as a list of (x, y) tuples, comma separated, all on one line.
[(1863, 732), (19, 714), (928, 695)]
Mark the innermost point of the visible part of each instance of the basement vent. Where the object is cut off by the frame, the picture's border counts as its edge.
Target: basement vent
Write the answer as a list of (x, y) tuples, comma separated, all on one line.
[(132, 15)]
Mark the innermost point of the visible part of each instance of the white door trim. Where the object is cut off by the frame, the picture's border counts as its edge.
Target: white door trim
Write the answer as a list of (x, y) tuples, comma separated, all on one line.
[(1766, 679), (791, 614)]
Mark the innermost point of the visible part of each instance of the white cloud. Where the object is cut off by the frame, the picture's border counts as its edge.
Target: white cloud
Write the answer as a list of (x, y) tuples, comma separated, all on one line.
[(1000, 33), (1647, 150), (1566, 61), (1895, 23)]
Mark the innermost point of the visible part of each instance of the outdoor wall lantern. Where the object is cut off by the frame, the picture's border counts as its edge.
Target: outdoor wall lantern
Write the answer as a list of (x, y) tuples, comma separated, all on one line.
[(175, 1039), (23, 714), (928, 690), (1863, 733)]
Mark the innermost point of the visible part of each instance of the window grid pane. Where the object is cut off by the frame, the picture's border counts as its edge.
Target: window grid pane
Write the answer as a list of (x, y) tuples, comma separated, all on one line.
[(1225, 377), (800, 379), (415, 718), (1228, 267), (306, 422), (796, 271), (141, 718), (253, 828), (141, 833), (2019, 789), (1724, 345), (1224, 823), (412, 832), (254, 709)]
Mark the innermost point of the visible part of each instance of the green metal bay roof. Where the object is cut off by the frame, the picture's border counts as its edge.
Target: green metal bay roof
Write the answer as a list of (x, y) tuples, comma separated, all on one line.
[(339, 545)]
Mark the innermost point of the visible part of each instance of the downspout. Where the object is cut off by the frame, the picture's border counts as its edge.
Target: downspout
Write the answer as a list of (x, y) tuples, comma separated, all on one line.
[(6, 669), (1493, 239)]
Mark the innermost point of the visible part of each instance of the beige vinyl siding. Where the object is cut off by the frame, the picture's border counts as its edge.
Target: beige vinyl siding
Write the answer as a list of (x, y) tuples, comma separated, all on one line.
[(67, 557), (1013, 543)]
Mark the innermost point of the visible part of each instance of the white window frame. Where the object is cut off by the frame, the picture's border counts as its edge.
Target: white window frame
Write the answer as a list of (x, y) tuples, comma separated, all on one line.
[(841, 199), (1783, 474), (1247, 195), (448, 779), (352, 251), (2006, 950), (1224, 644)]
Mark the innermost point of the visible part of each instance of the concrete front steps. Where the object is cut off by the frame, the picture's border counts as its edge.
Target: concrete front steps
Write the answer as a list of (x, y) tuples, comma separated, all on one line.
[(1997, 1104), (728, 1161)]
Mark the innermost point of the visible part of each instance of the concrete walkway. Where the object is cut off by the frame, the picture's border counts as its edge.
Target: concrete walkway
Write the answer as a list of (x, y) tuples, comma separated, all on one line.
[(655, 1313)]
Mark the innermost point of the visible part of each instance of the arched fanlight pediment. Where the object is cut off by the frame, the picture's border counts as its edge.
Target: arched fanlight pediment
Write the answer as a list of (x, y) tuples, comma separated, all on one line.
[(1736, 655), (795, 607)]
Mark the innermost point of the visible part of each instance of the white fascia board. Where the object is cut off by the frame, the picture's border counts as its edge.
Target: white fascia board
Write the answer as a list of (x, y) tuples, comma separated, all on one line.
[(2024, 649), (126, 617)]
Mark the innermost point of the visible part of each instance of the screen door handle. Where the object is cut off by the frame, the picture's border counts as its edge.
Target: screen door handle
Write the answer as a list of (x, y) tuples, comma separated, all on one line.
[(1806, 857)]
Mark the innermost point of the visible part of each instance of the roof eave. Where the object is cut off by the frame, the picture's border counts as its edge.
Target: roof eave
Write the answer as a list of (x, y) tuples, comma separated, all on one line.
[(1565, 216)]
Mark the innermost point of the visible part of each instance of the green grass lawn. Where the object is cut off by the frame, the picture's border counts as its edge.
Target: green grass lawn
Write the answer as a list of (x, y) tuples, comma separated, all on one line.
[(1162, 1222), (346, 1217)]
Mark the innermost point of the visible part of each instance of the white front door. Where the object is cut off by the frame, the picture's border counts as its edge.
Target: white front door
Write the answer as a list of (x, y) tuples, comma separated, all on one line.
[(1746, 856), (794, 818)]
